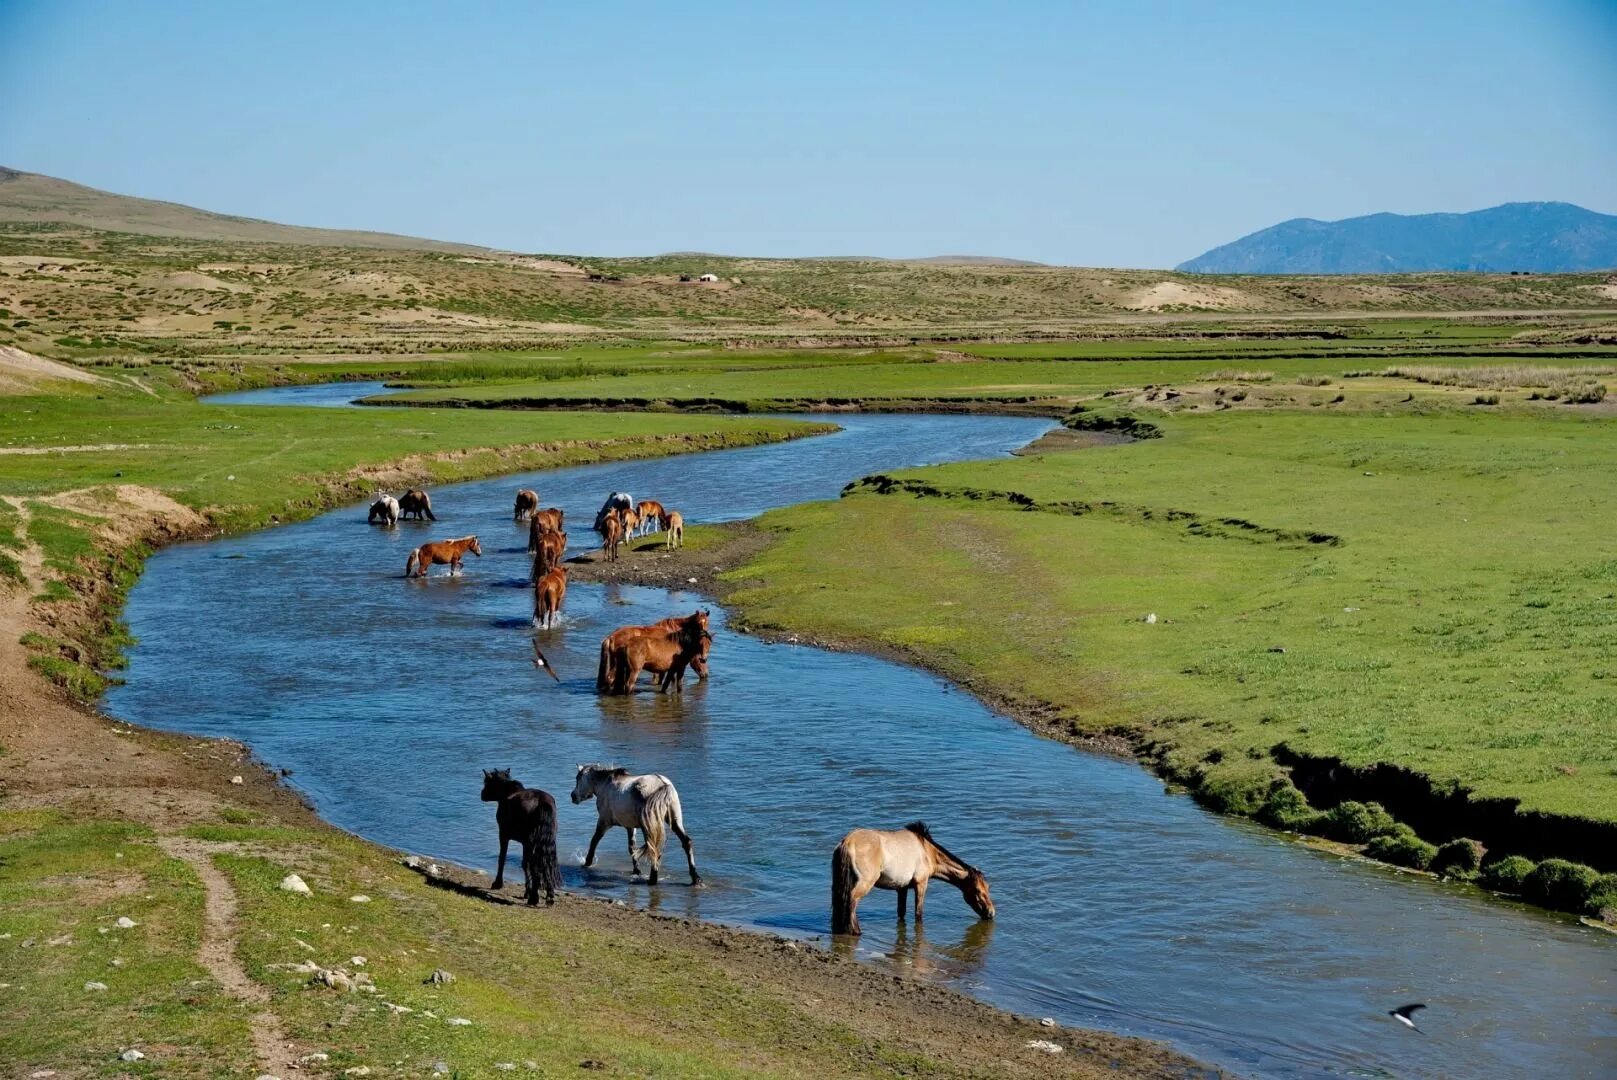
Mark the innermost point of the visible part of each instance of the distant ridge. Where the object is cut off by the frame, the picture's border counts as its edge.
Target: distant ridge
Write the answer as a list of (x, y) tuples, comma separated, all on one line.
[(929, 260), (1536, 237), (31, 197)]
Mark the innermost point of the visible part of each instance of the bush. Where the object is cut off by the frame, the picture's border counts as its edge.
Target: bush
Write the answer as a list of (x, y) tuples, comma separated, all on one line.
[(1458, 858), (1561, 884), (1286, 808), (1603, 901), (1313, 380), (1486, 399), (1357, 822), (1508, 874), (1402, 847)]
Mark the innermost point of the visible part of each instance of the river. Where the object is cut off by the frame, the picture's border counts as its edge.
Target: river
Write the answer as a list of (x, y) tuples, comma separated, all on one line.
[(1121, 906)]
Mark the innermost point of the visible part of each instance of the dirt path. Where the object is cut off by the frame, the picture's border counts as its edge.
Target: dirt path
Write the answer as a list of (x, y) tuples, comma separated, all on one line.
[(217, 954)]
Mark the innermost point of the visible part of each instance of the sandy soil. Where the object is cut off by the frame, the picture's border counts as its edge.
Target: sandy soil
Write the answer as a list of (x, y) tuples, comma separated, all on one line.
[(1171, 293), (20, 371)]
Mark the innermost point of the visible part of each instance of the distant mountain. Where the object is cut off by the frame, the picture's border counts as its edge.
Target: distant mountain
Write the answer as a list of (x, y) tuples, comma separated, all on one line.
[(1542, 237), (32, 197)]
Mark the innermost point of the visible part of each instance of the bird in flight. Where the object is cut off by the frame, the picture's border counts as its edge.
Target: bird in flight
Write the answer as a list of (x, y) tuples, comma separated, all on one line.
[(539, 661), (1405, 1014)]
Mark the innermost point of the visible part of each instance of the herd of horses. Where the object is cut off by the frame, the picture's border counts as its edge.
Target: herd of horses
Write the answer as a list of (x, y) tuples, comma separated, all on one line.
[(902, 860)]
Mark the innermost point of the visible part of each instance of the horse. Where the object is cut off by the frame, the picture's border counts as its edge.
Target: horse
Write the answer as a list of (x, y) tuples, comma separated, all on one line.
[(528, 816), (648, 803), (618, 500), (901, 860), (614, 643), (674, 525), (611, 536), (541, 522), (527, 503), (660, 649), (630, 520), (439, 552), (385, 508), (548, 556), (650, 510), (417, 502), (548, 593)]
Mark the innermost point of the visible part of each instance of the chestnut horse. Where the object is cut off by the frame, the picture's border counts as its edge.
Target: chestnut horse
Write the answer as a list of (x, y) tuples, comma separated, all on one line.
[(543, 521), (615, 642), (527, 503), (439, 552), (548, 593), (901, 860), (651, 511), (417, 502), (386, 509), (548, 556), (656, 650), (674, 526), (611, 535), (528, 816)]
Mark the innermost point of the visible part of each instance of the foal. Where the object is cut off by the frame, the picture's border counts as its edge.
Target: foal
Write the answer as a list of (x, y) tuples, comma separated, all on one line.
[(528, 816)]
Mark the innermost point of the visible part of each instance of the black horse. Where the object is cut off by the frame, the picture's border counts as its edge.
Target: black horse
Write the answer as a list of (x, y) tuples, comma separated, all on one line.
[(528, 816)]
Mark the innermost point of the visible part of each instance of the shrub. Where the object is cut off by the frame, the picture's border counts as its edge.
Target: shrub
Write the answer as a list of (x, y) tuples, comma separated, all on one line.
[(1486, 399), (1286, 808), (1458, 858), (1356, 822), (1402, 847), (1313, 380), (1236, 375), (1508, 874), (1603, 900), (1561, 884)]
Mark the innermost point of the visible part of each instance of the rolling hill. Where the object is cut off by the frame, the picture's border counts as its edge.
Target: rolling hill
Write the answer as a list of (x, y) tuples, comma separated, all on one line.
[(1529, 237), (30, 197)]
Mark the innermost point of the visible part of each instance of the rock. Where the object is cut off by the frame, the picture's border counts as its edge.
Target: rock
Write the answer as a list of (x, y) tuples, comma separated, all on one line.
[(95, 986), (356, 961), (237, 780), (360, 899), (358, 1070), (1277, 648), (132, 1055), (65, 939), (458, 1021), (1151, 618), (41, 1074), (317, 1056), (1043, 1046), (337, 980), (117, 961), (413, 862), (440, 977), (392, 1008), (433, 869), (125, 923), (266, 1076), (505, 1066), (294, 884), (304, 945), (440, 1066), (1047, 1022)]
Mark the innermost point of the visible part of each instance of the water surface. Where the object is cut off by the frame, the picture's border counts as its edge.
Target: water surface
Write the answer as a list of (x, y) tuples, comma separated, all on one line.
[(1120, 906)]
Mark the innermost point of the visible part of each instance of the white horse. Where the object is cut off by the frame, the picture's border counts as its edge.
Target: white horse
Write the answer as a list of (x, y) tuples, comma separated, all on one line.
[(387, 509), (648, 803)]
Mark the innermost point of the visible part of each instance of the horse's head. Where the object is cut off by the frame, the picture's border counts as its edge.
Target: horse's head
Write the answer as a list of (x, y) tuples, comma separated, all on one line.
[(497, 784), (474, 547), (584, 785), (975, 889)]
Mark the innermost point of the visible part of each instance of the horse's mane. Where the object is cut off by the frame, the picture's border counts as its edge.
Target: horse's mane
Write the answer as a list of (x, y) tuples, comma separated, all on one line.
[(607, 770), (919, 829)]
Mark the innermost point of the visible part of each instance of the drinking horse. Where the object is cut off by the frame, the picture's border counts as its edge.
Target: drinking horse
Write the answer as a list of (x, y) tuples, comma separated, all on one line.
[(901, 860), (648, 803), (527, 502), (384, 509)]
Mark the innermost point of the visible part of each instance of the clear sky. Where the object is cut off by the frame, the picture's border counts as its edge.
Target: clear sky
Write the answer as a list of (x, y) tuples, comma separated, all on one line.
[(1124, 134)]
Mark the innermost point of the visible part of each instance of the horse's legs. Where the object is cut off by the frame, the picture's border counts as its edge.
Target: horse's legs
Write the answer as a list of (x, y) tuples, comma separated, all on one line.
[(678, 828), (903, 900), (499, 875), (634, 861), (861, 889), (631, 677), (600, 830), (920, 898)]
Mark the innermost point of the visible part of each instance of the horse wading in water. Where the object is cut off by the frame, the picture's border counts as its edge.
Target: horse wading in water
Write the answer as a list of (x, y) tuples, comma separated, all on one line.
[(901, 860), (528, 816), (440, 552), (617, 641), (417, 502), (548, 594), (667, 647), (648, 803), (527, 502), (548, 555), (385, 510), (542, 522)]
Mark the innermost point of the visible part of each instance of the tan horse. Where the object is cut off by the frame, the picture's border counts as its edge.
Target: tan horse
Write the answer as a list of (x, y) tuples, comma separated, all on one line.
[(650, 511), (617, 641), (655, 650), (440, 552), (674, 526), (548, 556), (901, 860), (417, 502), (543, 521), (548, 594), (527, 503)]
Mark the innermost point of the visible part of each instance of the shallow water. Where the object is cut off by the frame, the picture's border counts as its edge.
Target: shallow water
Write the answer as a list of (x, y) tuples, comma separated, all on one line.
[(1120, 906)]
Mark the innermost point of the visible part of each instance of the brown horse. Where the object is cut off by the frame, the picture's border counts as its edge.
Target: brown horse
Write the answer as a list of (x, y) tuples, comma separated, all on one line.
[(650, 511), (615, 642), (543, 521), (417, 502), (548, 593), (439, 552), (674, 526), (654, 649), (548, 556), (527, 503), (611, 535), (528, 816), (901, 860)]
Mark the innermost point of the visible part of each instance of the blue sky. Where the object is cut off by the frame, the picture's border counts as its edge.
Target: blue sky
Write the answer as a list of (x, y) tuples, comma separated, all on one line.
[(1126, 134)]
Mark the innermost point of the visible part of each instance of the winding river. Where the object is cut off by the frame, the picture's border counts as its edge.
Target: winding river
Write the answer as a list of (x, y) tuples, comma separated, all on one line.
[(1121, 906)]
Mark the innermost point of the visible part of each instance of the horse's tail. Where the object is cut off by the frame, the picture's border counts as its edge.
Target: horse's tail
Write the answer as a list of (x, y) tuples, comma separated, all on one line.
[(411, 561), (426, 504), (603, 670), (843, 878), (654, 814), (544, 870)]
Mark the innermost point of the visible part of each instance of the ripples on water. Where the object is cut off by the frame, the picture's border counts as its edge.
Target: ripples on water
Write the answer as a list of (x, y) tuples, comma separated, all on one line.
[(1120, 906)]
